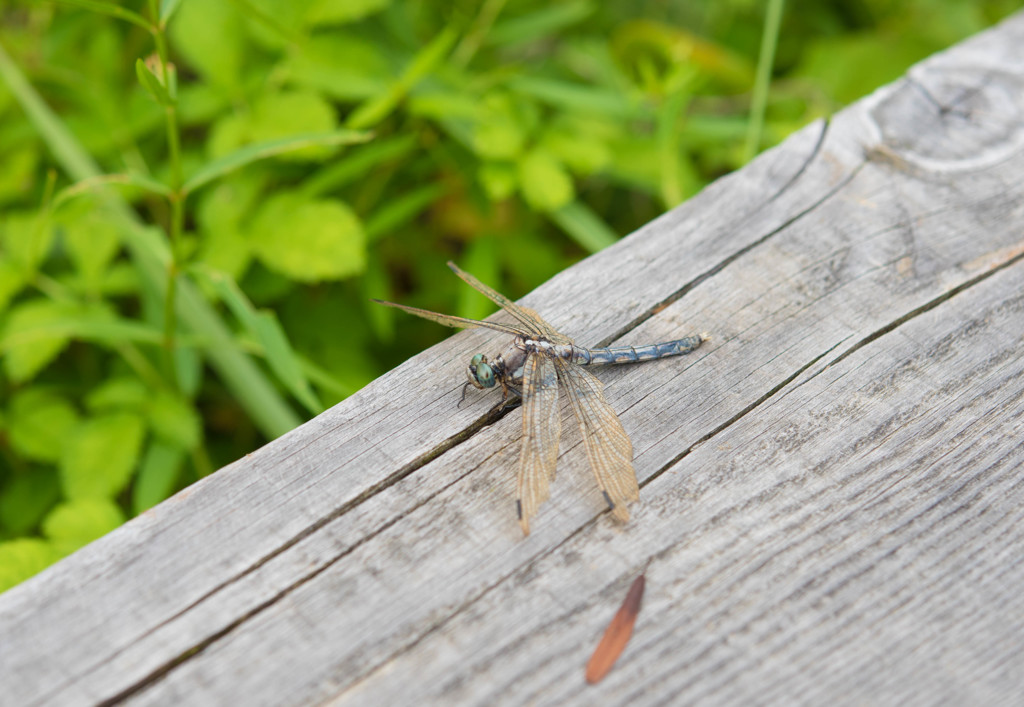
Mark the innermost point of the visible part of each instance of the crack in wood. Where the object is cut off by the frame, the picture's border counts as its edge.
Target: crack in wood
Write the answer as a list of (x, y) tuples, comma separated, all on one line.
[(739, 253), (156, 674), (926, 307)]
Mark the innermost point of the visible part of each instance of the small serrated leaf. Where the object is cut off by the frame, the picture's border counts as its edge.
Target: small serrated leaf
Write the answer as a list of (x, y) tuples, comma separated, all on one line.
[(499, 179), (284, 114), (40, 423), (27, 498), (26, 238), (545, 184), (77, 523), (32, 337), (309, 240), (100, 455), (23, 558), (173, 420)]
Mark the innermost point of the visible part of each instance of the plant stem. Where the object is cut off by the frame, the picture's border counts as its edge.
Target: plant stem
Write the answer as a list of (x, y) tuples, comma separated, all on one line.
[(177, 198), (765, 62)]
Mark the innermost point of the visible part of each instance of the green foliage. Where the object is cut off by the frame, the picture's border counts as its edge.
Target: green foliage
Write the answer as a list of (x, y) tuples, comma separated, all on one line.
[(198, 199), (308, 240), (75, 523), (99, 456), (24, 557)]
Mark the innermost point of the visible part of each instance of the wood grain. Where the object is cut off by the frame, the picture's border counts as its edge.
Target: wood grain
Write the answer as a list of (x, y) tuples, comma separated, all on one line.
[(832, 501)]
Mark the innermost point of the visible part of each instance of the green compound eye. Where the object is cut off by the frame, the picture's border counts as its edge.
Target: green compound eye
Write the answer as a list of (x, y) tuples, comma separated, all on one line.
[(485, 375), (479, 372)]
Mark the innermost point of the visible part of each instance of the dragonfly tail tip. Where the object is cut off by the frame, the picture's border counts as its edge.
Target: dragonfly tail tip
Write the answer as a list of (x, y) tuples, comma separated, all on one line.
[(608, 500)]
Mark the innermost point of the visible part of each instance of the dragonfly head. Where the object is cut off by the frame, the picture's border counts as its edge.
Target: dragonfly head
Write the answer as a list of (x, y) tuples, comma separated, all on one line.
[(480, 373)]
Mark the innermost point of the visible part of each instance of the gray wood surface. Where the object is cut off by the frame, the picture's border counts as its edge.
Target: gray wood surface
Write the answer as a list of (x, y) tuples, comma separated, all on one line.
[(832, 499)]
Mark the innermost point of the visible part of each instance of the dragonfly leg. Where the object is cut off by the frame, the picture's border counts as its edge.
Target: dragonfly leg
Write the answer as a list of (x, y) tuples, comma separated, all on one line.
[(462, 399), (511, 397)]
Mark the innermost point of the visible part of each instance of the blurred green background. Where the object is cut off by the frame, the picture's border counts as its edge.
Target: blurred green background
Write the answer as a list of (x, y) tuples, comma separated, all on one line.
[(198, 198)]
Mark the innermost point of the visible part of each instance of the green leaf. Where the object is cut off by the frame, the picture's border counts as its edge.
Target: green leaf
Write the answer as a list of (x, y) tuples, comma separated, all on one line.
[(260, 151), (40, 422), (499, 179), (290, 113), (274, 24), (77, 523), (121, 280), (221, 212), (229, 132), (309, 240), (19, 173), (481, 259), (584, 226), (379, 107), (358, 162), (403, 209), (157, 476), (265, 327), (582, 153), (39, 329), (539, 23), (674, 184), (498, 138), (855, 65), (374, 284), (343, 65), (545, 184), (110, 8), (167, 8), (584, 100), (98, 459), (12, 279), (152, 84), (27, 498), (23, 558), (94, 184), (25, 238), (92, 240), (330, 12), (503, 126), (210, 36), (189, 366), (121, 393), (439, 104), (30, 339), (173, 420)]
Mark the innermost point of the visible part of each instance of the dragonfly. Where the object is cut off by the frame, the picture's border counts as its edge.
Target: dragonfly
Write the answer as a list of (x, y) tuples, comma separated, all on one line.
[(531, 367)]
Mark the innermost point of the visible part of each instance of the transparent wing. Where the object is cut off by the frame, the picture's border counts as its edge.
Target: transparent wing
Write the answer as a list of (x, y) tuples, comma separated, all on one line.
[(526, 316), (608, 447), (541, 430), (452, 321)]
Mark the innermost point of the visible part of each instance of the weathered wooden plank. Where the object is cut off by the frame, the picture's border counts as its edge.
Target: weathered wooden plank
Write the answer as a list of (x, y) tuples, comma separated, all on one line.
[(880, 566), (829, 493)]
